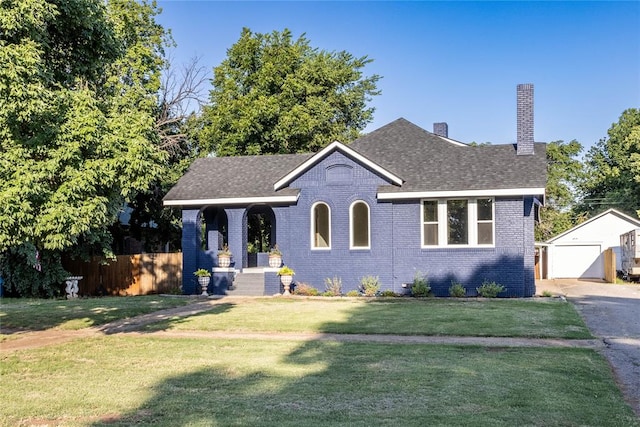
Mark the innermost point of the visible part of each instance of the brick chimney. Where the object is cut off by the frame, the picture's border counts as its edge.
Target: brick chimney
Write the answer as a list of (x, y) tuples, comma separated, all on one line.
[(441, 129), (525, 119)]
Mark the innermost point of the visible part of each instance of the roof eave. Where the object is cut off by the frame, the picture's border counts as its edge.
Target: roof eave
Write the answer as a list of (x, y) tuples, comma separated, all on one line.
[(405, 195), (225, 201)]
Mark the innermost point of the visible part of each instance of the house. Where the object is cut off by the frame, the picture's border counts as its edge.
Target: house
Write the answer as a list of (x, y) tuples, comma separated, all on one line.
[(579, 252), (396, 202)]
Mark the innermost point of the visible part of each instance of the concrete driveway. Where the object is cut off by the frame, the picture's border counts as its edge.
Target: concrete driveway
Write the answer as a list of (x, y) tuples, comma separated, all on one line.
[(612, 313)]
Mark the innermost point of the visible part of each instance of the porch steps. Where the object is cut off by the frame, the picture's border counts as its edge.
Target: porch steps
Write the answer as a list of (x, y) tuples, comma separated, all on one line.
[(248, 284)]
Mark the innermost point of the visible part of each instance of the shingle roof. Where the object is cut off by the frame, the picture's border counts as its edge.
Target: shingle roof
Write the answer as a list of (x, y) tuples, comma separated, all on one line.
[(429, 162), (426, 162), (235, 177)]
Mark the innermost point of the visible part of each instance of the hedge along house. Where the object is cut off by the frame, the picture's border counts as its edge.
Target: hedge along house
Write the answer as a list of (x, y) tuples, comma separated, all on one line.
[(396, 202)]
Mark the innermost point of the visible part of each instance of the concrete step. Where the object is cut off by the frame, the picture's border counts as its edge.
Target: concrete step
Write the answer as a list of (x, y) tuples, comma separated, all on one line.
[(248, 284)]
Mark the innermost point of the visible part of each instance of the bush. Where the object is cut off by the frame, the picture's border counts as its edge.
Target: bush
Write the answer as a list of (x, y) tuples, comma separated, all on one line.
[(305, 289), (353, 293), (388, 293), (457, 290), (420, 285), (489, 289), (369, 286), (333, 287), (21, 278)]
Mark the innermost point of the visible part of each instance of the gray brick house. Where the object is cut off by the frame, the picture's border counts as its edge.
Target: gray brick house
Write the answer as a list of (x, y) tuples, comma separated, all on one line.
[(397, 201)]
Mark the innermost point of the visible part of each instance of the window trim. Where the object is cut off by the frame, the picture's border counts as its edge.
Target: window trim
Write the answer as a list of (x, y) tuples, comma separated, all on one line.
[(472, 228), (351, 227), (312, 228)]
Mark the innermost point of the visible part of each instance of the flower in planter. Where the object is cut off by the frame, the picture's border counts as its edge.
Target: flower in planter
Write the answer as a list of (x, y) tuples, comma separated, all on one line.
[(224, 251), (201, 272), (275, 251), (286, 271)]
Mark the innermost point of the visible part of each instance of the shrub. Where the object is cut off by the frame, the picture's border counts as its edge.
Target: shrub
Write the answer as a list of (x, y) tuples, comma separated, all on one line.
[(305, 289), (547, 294), (489, 289), (353, 293), (388, 293), (457, 290), (333, 286), (286, 271), (420, 285), (369, 286)]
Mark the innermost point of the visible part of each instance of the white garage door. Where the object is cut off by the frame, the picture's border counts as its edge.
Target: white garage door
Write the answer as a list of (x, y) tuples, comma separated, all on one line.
[(578, 261)]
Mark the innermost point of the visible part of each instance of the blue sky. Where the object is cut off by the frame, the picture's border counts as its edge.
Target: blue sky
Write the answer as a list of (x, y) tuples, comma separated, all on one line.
[(457, 61)]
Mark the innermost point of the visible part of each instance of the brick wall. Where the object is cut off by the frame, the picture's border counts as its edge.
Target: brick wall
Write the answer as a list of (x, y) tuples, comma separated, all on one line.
[(395, 255)]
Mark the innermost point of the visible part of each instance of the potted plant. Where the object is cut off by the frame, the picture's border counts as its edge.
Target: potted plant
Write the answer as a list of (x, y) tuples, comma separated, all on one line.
[(224, 256), (275, 257), (286, 277), (204, 277)]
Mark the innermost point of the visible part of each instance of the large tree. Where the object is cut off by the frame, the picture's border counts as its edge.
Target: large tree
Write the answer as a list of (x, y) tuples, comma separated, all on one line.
[(564, 172), (181, 96), (78, 105), (613, 168), (274, 94)]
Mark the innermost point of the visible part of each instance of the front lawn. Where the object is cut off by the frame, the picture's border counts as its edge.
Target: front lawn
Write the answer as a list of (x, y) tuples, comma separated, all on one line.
[(544, 318), (144, 380), (39, 314)]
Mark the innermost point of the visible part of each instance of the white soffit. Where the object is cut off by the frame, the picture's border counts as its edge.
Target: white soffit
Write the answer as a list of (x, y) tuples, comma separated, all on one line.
[(461, 193), (232, 201)]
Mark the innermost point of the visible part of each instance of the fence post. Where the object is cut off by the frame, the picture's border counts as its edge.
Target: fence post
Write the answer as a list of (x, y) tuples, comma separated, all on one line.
[(610, 272)]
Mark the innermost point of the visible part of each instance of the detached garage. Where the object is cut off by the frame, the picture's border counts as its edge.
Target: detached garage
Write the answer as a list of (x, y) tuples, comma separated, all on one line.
[(578, 253)]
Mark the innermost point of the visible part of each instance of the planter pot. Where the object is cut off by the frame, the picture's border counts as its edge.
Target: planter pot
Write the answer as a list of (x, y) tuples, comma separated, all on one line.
[(72, 286), (224, 261), (203, 281), (286, 282), (275, 261)]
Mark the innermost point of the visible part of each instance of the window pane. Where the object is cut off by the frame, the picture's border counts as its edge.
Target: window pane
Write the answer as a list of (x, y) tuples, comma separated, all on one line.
[(485, 209), (321, 226), (360, 225), (430, 211), (458, 218), (430, 234), (485, 233)]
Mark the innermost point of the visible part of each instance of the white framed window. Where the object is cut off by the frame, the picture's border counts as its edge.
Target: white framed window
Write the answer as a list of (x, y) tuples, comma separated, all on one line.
[(320, 226), (484, 217), (359, 225), (457, 222)]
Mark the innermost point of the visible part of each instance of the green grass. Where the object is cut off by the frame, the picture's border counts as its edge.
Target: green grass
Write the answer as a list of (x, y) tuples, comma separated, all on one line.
[(549, 318), (38, 314), (144, 380)]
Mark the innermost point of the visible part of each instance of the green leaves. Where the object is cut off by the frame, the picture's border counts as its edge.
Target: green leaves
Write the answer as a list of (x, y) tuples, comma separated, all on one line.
[(274, 94), (564, 172), (78, 99), (613, 167)]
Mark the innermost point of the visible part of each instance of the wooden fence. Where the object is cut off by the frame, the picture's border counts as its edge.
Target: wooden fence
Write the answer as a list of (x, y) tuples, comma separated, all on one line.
[(610, 272), (129, 274)]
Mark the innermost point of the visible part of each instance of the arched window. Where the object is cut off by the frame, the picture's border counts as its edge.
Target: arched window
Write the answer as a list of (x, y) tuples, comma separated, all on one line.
[(359, 225), (320, 226)]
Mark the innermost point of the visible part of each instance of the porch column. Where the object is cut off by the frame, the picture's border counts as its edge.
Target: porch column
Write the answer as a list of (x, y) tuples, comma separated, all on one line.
[(281, 232), (190, 249), (529, 248), (236, 232)]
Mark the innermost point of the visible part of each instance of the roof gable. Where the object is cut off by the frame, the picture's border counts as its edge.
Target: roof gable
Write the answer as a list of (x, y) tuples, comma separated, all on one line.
[(633, 223), (347, 151)]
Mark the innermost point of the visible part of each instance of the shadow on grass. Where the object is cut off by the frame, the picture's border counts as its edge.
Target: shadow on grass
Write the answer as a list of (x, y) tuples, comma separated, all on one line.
[(165, 320), (285, 383)]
